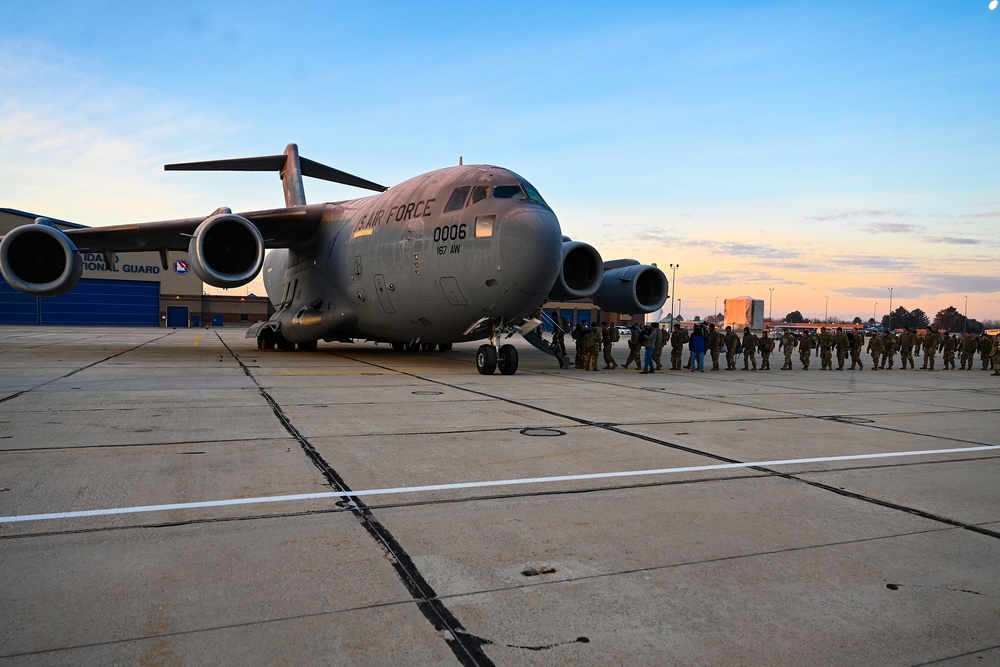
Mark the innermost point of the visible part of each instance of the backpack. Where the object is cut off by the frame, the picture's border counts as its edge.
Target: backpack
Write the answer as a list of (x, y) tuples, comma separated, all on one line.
[(615, 336)]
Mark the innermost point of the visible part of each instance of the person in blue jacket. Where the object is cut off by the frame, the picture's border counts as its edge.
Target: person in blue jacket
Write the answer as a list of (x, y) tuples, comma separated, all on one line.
[(697, 346)]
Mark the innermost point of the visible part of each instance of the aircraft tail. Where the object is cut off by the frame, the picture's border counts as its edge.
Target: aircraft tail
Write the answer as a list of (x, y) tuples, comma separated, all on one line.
[(291, 167)]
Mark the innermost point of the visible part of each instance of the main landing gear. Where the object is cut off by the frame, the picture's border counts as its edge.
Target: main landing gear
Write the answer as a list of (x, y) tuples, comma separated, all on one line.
[(489, 358)]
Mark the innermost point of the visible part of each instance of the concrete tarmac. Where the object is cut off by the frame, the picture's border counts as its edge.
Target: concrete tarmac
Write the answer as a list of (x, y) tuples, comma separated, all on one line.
[(635, 533)]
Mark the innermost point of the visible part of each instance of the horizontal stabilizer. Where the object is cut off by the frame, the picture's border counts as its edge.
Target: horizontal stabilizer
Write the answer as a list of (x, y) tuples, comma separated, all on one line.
[(277, 163)]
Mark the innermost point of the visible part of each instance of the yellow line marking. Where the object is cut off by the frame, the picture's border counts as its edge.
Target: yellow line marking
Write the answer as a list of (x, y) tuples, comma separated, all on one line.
[(197, 338)]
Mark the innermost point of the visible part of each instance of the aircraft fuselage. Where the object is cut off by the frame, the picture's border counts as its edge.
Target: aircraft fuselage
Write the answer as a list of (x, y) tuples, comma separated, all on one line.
[(432, 255)]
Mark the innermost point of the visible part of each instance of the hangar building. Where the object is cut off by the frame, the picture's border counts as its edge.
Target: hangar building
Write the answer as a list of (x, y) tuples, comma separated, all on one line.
[(136, 291)]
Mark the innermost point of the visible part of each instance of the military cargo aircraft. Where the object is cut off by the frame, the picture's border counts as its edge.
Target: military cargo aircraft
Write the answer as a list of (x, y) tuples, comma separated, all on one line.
[(459, 254)]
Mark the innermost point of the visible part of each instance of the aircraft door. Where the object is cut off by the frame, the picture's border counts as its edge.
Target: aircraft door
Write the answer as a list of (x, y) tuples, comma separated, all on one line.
[(452, 292), (382, 289)]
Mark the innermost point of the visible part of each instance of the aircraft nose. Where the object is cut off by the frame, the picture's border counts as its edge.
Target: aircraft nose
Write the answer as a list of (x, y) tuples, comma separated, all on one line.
[(530, 249)]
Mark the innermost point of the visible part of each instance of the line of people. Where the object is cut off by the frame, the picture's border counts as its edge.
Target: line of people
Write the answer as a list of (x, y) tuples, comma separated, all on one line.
[(646, 343)]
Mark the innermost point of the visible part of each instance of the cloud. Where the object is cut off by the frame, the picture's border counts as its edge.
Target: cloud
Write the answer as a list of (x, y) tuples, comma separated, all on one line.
[(89, 149), (961, 284), (741, 277), (892, 228), (860, 213), (874, 262), (875, 293), (952, 240)]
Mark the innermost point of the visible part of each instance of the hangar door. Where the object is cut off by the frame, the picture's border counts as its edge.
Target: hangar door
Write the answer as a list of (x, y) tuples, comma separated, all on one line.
[(92, 302)]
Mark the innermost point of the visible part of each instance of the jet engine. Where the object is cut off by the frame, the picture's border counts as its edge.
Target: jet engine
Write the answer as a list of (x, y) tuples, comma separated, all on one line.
[(40, 260), (226, 250), (631, 287), (580, 273)]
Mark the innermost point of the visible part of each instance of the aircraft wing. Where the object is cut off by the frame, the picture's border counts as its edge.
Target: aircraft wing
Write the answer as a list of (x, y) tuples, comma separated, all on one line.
[(225, 249), (280, 228)]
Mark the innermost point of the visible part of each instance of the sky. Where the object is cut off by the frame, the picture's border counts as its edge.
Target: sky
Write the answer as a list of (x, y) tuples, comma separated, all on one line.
[(809, 154)]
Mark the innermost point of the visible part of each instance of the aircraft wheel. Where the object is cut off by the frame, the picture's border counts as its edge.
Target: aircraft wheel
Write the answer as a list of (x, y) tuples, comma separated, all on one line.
[(445, 347), (309, 346), (507, 359), (285, 346), (486, 359), (398, 346), (427, 347), (412, 347)]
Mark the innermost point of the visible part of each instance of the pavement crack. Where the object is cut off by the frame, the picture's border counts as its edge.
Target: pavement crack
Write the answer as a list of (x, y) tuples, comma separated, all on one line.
[(466, 650)]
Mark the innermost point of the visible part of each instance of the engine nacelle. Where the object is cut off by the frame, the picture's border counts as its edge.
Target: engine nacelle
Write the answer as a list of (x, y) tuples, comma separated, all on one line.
[(634, 288), (40, 260), (580, 273), (226, 250)]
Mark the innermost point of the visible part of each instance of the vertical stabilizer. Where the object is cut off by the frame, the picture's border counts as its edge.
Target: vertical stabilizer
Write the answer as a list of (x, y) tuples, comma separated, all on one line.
[(291, 178)]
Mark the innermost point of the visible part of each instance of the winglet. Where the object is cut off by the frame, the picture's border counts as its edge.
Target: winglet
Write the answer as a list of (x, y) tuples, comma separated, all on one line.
[(291, 167)]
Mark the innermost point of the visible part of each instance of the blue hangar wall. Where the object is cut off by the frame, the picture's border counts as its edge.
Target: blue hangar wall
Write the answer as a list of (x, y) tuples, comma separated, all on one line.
[(92, 302)]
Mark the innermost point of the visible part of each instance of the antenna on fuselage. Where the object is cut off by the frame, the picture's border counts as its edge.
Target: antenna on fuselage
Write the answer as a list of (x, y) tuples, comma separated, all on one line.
[(459, 160)]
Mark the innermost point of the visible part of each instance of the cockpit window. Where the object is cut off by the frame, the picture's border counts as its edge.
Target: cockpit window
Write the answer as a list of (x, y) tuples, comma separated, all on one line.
[(479, 193), (457, 200), (508, 192), (531, 192)]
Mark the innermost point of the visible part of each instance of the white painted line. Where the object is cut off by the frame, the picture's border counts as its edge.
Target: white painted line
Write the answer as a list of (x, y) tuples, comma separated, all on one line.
[(476, 485)]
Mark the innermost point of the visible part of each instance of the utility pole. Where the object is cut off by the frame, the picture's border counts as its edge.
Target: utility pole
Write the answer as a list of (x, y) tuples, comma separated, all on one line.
[(826, 313), (673, 291), (770, 306), (890, 309)]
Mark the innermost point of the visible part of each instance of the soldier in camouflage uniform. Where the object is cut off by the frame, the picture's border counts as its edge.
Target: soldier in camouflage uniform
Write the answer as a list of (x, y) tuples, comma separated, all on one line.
[(713, 343), (598, 345), (995, 354), (857, 344), (766, 345), (677, 340), (843, 347), (577, 336), (731, 340), (609, 334), (968, 349), (658, 346), (875, 349), (949, 344), (590, 337), (931, 341), (985, 345), (559, 329), (788, 344), (634, 348), (907, 341), (749, 349), (888, 350), (826, 342), (805, 347)]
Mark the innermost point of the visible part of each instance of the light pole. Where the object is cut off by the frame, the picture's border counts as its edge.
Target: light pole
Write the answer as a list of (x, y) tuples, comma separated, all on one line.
[(873, 312), (680, 304), (826, 313), (673, 290), (890, 309), (965, 329), (770, 306), (715, 308)]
